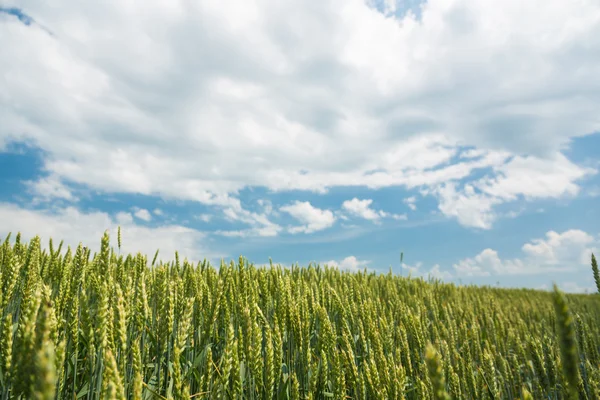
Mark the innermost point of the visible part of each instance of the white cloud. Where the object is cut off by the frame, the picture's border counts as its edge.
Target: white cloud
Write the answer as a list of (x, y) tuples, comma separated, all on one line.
[(434, 272), (314, 218), (350, 263), (570, 287), (486, 263), (572, 246), (49, 188), (468, 207), (265, 231), (267, 207), (410, 202), (143, 214), (529, 178), (362, 208), (534, 178), (565, 251), (158, 211), (204, 217), (122, 217), (74, 226), (261, 225), (340, 96), (407, 269)]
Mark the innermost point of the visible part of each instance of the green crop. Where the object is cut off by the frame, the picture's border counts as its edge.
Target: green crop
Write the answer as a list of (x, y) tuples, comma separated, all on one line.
[(112, 326)]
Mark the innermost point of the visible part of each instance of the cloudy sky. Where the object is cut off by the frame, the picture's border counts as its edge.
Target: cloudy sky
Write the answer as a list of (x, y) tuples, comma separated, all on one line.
[(464, 133)]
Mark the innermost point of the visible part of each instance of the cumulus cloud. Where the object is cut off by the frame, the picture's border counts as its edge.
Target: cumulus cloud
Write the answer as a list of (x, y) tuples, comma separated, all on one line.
[(528, 178), (143, 214), (342, 95), (468, 207), (267, 206), (434, 272), (74, 226), (204, 217), (49, 188), (566, 251), (261, 224), (313, 218), (410, 202), (486, 263), (572, 246), (350, 263), (362, 209), (570, 287)]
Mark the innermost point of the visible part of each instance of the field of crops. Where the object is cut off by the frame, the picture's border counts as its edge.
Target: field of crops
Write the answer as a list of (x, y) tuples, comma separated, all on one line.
[(114, 326)]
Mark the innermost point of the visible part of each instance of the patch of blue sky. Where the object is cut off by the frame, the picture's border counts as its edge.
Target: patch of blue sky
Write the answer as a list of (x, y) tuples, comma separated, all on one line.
[(558, 215), (114, 203), (16, 12), (286, 252), (18, 162), (23, 17), (400, 8), (429, 244), (21, 163), (585, 149), (335, 197), (462, 156), (392, 200), (289, 196), (382, 244)]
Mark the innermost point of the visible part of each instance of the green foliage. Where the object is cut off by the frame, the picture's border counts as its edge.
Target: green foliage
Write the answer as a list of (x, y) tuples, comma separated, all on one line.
[(79, 326)]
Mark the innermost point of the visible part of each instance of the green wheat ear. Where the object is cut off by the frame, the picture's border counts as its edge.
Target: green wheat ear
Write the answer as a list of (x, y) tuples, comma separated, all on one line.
[(526, 394), (436, 373), (119, 237), (568, 344), (596, 273), (43, 356)]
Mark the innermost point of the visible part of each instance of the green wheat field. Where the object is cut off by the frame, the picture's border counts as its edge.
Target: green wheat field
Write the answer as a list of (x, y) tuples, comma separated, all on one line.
[(76, 325)]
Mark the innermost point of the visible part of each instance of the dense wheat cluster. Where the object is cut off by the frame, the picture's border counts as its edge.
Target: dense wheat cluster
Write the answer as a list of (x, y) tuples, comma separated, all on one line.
[(112, 326)]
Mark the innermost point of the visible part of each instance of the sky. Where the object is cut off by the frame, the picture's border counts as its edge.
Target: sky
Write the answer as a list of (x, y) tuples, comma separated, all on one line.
[(464, 134)]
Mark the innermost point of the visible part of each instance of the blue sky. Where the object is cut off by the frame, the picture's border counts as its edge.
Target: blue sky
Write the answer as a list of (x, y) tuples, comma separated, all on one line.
[(463, 133)]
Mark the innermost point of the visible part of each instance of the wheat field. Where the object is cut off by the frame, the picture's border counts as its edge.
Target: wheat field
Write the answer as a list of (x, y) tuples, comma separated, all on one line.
[(76, 325)]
